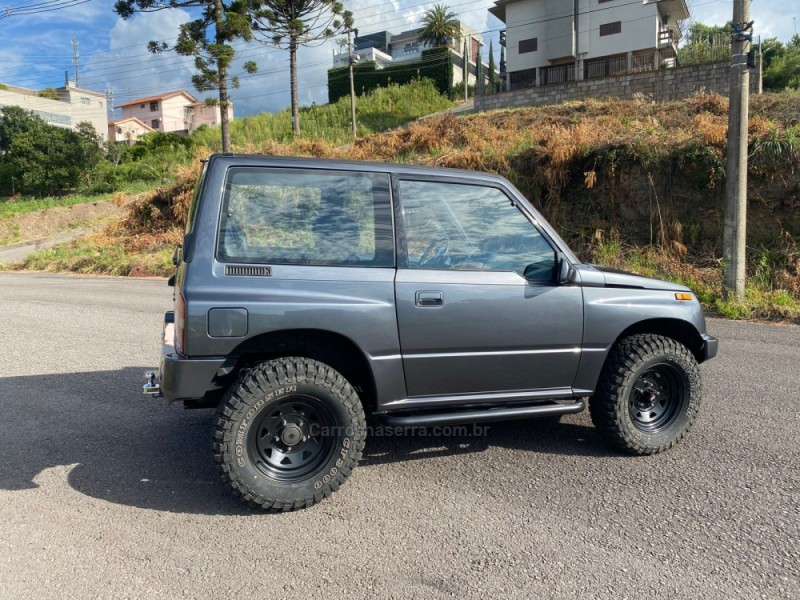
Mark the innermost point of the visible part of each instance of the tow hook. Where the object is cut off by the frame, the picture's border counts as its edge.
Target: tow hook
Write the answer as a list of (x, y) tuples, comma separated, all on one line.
[(152, 387)]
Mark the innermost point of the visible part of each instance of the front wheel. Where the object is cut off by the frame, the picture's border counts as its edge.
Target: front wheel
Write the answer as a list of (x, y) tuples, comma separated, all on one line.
[(289, 433), (648, 394)]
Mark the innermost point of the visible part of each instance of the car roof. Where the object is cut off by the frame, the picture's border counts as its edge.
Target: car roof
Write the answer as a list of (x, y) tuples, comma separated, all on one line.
[(350, 165)]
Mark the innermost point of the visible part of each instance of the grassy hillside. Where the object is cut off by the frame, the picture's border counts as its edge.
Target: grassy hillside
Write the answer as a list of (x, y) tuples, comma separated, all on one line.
[(382, 109), (631, 184)]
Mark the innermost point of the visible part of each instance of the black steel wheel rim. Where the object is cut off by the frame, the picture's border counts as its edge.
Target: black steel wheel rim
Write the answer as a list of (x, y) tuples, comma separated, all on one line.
[(292, 438), (659, 396)]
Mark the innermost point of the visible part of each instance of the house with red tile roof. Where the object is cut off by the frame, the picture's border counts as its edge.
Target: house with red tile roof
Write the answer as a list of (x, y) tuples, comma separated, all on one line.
[(176, 112)]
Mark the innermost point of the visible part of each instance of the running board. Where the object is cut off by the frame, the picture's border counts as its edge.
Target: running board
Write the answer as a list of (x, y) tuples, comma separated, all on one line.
[(483, 416)]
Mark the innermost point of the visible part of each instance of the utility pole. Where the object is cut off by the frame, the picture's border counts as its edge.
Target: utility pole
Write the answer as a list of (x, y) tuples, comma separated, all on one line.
[(735, 227), (466, 67), (75, 57), (352, 83)]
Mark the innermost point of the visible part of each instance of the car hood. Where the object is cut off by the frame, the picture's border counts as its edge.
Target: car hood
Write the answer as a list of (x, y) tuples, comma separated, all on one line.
[(595, 275)]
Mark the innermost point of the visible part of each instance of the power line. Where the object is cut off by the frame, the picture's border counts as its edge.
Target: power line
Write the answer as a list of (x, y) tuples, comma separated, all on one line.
[(98, 76), (33, 9)]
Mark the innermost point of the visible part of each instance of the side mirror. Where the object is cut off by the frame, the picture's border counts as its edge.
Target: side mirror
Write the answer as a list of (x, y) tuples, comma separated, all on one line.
[(176, 256), (562, 269)]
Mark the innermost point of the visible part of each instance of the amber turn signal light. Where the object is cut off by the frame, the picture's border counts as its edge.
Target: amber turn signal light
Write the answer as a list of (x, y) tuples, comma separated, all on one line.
[(683, 296)]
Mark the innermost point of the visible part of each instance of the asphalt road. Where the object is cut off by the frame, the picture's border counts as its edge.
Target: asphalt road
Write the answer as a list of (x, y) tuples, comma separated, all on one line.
[(107, 494)]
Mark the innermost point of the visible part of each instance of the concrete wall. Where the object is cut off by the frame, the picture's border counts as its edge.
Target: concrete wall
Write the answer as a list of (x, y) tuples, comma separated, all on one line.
[(639, 29), (662, 85), (523, 20), (92, 106)]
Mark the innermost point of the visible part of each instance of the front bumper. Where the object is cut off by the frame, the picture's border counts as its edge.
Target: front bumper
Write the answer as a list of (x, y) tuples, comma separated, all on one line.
[(180, 377), (710, 346)]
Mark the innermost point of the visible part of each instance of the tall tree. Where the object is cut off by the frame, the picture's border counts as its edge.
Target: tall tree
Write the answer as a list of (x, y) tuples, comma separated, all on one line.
[(209, 39), (784, 69), (290, 24), (441, 27)]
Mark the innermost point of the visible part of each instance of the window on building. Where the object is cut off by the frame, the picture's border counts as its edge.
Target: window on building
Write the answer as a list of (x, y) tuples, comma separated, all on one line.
[(142, 105), (100, 103), (611, 28), (86, 101), (412, 47), (154, 123), (531, 45), (153, 106)]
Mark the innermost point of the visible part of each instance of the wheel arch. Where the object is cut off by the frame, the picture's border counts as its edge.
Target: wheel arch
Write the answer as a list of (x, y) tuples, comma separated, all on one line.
[(334, 349), (677, 329)]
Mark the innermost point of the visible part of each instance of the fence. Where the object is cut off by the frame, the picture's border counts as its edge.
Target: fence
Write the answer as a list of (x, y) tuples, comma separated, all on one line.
[(705, 49), (557, 74)]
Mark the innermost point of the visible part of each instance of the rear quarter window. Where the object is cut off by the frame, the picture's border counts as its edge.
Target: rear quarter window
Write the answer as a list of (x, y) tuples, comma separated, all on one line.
[(306, 217)]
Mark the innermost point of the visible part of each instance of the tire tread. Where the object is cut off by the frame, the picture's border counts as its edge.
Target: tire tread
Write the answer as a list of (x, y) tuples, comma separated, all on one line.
[(607, 409), (258, 381)]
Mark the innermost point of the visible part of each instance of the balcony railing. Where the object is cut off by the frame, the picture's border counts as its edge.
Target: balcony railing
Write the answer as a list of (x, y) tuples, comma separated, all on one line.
[(666, 37)]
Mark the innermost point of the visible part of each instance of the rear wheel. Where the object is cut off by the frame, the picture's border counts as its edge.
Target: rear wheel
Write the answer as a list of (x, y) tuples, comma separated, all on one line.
[(648, 395), (289, 433)]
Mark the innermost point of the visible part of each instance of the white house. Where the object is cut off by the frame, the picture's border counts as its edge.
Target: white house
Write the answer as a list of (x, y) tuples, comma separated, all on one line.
[(552, 41), (176, 112), (74, 105), (385, 48), (127, 130)]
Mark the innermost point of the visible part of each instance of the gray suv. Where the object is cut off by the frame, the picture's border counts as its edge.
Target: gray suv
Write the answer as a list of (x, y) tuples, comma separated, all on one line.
[(311, 295)]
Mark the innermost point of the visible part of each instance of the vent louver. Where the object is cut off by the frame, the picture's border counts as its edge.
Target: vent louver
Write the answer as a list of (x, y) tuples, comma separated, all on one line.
[(248, 271)]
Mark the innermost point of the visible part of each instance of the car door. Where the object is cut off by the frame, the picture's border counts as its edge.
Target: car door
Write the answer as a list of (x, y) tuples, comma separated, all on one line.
[(478, 307)]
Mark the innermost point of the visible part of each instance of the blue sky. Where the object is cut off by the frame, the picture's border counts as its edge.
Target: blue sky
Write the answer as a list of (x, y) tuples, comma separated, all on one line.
[(36, 50)]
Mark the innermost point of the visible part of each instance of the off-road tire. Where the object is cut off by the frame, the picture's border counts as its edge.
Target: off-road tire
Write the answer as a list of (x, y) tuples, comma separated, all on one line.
[(259, 406), (648, 395)]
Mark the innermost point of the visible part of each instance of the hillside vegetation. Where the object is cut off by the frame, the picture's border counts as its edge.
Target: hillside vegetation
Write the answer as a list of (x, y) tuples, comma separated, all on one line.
[(382, 109), (631, 184)]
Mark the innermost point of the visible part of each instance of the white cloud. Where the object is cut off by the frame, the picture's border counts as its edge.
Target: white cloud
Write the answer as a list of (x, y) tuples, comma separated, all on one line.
[(129, 69)]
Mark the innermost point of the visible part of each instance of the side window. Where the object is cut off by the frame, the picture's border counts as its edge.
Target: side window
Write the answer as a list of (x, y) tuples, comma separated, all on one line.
[(473, 228), (306, 217)]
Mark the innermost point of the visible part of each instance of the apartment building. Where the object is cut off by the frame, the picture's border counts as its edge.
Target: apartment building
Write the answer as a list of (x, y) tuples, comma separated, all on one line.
[(74, 105), (553, 41), (385, 48)]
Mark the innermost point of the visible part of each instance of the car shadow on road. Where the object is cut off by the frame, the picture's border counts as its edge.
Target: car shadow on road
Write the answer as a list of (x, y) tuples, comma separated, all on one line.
[(547, 436), (122, 447)]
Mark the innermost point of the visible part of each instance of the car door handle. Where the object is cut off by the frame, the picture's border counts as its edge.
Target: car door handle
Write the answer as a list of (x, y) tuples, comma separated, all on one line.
[(429, 299)]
